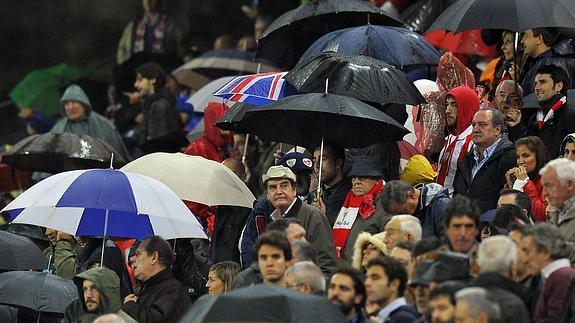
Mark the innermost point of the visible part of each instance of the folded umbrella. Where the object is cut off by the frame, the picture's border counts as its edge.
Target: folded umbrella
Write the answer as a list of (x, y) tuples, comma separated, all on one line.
[(20, 253), (358, 76), (194, 178), (56, 153)]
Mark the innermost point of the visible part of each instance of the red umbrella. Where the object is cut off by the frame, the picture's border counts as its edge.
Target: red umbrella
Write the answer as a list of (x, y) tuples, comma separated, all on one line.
[(467, 42)]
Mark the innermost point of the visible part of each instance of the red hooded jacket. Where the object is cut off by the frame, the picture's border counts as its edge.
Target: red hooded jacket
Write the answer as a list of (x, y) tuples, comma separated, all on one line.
[(212, 144)]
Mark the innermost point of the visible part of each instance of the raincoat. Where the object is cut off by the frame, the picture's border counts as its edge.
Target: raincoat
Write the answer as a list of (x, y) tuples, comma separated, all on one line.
[(458, 142), (213, 144), (94, 124), (108, 285)]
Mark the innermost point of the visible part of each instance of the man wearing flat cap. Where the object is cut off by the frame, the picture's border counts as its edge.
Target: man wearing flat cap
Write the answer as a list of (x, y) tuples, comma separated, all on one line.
[(358, 211), (279, 182)]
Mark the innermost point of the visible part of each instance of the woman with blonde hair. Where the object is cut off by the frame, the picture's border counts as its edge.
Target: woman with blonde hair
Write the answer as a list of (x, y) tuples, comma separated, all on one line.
[(220, 277)]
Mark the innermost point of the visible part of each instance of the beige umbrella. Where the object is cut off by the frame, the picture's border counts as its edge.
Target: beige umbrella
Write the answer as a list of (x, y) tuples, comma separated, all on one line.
[(194, 178)]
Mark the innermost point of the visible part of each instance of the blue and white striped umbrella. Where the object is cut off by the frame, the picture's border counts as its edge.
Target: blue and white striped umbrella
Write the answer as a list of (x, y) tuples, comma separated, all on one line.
[(105, 202)]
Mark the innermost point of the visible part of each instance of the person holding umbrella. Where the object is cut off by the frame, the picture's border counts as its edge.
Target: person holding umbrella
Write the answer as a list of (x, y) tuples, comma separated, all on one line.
[(61, 253)]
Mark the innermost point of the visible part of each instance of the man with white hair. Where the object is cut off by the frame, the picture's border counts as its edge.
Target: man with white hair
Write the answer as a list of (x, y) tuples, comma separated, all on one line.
[(403, 227), (558, 179), (474, 304), (305, 277), (495, 257)]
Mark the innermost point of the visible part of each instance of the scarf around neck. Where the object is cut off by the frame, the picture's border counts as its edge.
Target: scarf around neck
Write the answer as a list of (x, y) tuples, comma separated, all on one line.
[(352, 206), (542, 119)]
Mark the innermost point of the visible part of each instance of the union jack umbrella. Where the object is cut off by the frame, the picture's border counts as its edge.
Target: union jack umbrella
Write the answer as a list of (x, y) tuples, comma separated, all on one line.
[(256, 89)]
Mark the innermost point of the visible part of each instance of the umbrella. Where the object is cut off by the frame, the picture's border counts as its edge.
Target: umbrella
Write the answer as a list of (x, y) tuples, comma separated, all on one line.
[(232, 119), (56, 153), (20, 253), (105, 202), (201, 97), (263, 303), (287, 37), (38, 291), (510, 15), (308, 119), (256, 89), (41, 88), (399, 47), (466, 42), (216, 64), (194, 178), (358, 76)]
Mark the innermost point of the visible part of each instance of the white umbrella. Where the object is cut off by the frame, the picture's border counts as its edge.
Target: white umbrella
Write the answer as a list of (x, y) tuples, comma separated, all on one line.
[(194, 178), (204, 95)]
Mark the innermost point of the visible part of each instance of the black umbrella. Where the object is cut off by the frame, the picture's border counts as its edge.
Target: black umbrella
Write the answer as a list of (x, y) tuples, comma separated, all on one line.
[(288, 37), (231, 120), (358, 76), (56, 153), (20, 253), (37, 291), (513, 15), (308, 119), (263, 303)]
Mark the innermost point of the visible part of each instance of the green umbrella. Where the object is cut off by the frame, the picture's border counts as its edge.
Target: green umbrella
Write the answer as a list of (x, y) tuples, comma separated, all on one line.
[(40, 89)]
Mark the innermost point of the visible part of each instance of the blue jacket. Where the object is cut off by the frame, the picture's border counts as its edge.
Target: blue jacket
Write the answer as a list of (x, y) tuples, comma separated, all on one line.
[(256, 224), (432, 201)]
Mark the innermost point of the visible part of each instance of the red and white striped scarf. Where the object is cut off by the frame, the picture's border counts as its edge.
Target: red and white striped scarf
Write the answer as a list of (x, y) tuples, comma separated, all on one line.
[(541, 120), (157, 36), (454, 148)]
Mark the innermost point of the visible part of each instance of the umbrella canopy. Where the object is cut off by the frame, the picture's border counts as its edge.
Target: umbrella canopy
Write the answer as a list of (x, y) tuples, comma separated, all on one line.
[(510, 15), (256, 89), (216, 64), (287, 37), (20, 253), (105, 202), (232, 119), (194, 178), (358, 76), (204, 95), (466, 42), (55, 153), (41, 88), (399, 47), (38, 291), (307, 119), (263, 303)]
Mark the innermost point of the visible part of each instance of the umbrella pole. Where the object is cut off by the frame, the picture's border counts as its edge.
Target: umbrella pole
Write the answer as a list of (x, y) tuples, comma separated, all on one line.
[(320, 166), (112, 161), (515, 64), (38, 318), (104, 238), (245, 148)]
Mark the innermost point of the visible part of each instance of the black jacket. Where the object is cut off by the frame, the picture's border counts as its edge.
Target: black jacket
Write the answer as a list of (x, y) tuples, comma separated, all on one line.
[(191, 269), (334, 197), (554, 130), (403, 314), (162, 298), (490, 280), (228, 226), (161, 127), (484, 188)]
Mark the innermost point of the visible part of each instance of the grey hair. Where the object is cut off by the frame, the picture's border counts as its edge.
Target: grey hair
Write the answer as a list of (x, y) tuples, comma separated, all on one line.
[(497, 118), (304, 250), (306, 272), (547, 237), (478, 302), (409, 224), (496, 255), (510, 83), (563, 167), (394, 192)]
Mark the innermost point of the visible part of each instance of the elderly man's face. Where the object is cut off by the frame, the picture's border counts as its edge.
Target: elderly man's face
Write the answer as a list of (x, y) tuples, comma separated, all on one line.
[(280, 192), (362, 185), (554, 191), (75, 111)]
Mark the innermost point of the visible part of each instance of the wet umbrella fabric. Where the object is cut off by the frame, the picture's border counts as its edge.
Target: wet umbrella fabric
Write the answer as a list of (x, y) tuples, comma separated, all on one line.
[(38, 291), (256, 89), (105, 202), (203, 96), (194, 178), (287, 37), (56, 153), (512, 15), (20, 253), (399, 47), (263, 303), (358, 76), (307, 119)]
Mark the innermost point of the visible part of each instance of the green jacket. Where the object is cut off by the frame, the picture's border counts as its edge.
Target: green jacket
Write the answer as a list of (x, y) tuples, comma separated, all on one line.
[(94, 125), (108, 285), (63, 256)]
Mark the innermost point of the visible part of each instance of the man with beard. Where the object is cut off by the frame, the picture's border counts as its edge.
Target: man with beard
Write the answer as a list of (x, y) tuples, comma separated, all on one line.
[(442, 301), (346, 291)]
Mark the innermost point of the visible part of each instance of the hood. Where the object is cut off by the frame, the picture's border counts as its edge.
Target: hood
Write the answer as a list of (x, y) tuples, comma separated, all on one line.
[(107, 283), (569, 138), (430, 191), (467, 105), (451, 73), (418, 170), (362, 239), (75, 93), (212, 113)]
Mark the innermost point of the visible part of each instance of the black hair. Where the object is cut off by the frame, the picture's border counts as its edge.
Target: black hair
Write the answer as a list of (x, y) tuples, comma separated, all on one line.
[(461, 206), (393, 270), (162, 247), (356, 276), (153, 71), (507, 214), (521, 199), (557, 73), (276, 239), (425, 245), (447, 288), (282, 224), (407, 245), (550, 35)]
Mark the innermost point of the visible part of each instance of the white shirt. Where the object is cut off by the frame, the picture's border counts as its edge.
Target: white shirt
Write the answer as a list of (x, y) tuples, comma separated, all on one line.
[(554, 266), (275, 214)]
